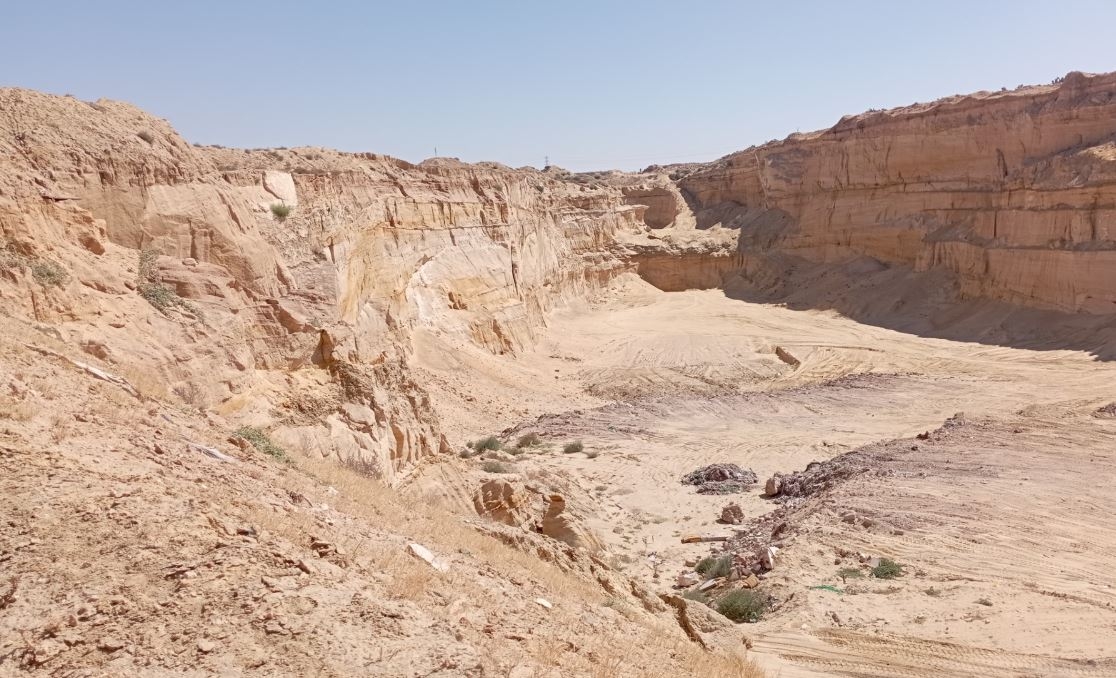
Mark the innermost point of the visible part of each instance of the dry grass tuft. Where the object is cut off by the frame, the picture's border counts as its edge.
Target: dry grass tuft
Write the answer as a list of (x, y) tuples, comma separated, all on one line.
[(18, 410)]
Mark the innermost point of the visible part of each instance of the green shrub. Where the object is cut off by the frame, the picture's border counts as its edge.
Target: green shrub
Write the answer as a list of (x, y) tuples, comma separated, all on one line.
[(528, 440), (281, 211), (49, 274), (261, 442), (714, 567), (46, 272), (151, 288), (573, 448), (490, 443), (887, 569), (497, 467), (743, 605), (850, 573)]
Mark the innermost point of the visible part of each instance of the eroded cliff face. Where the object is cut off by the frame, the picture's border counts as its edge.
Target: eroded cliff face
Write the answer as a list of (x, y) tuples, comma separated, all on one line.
[(302, 324), (1012, 192)]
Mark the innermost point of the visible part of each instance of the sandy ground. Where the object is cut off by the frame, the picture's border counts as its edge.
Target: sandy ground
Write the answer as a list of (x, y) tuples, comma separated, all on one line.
[(1013, 512)]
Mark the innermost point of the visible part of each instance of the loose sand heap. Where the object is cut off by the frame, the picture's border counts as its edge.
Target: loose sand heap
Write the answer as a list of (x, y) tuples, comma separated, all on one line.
[(237, 387)]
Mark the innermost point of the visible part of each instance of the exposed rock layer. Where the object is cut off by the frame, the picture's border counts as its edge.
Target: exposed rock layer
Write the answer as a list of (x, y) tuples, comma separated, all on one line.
[(1012, 192)]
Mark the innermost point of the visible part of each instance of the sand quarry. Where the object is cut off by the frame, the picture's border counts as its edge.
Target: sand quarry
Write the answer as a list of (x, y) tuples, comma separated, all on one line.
[(261, 409), (999, 520)]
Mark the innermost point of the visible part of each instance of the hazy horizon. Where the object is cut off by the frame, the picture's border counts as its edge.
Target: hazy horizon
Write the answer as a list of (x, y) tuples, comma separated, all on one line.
[(589, 86)]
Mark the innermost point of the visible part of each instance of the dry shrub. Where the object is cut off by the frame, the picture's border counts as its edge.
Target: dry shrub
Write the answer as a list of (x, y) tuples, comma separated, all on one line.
[(18, 410)]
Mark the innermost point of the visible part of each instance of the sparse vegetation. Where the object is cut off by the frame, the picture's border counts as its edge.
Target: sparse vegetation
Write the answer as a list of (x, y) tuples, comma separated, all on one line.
[(887, 569), (47, 273), (528, 440), (714, 567), (573, 448), (497, 467), (152, 289), (850, 573), (261, 442), (743, 605), (984, 601), (490, 443), (280, 211), (697, 596)]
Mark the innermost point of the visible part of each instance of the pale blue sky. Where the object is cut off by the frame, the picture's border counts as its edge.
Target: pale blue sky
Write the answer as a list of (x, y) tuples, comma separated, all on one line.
[(592, 85)]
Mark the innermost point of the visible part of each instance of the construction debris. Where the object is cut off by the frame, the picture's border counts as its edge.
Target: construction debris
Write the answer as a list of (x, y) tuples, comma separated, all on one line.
[(721, 479)]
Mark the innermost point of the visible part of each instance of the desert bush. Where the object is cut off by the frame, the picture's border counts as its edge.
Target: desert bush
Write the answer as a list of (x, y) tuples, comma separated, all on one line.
[(850, 573), (146, 136), (697, 596), (887, 569), (490, 443), (573, 448), (47, 273), (528, 440), (261, 442), (280, 211), (714, 567), (152, 289), (743, 605), (497, 467)]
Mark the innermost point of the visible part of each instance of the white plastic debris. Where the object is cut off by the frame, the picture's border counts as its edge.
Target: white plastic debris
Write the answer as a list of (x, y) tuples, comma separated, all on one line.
[(425, 554)]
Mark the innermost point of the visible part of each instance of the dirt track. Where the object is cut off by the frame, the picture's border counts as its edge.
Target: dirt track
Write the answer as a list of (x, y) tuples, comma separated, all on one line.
[(1011, 509)]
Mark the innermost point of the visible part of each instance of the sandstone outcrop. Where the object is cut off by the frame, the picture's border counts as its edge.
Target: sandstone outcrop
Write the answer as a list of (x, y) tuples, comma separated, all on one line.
[(1010, 192), (305, 324)]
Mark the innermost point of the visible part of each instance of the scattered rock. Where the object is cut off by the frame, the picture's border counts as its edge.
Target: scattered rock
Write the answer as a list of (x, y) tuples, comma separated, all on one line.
[(750, 582), (732, 514), (721, 479), (1108, 410), (544, 603), (110, 644), (687, 579), (205, 646), (773, 486)]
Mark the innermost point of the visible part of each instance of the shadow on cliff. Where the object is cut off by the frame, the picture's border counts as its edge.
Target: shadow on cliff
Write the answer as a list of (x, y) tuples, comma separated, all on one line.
[(926, 304)]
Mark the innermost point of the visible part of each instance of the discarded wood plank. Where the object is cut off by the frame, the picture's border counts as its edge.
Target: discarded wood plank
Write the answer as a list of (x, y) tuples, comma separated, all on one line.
[(785, 355), (695, 539), (89, 369), (210, 451)]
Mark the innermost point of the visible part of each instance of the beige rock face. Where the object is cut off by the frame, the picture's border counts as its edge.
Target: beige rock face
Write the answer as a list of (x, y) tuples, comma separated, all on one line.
[(1011, 192), (305, 325)]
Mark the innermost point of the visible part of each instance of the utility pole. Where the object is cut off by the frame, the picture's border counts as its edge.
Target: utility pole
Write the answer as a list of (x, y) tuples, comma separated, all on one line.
[(546, 161), (435, 151)]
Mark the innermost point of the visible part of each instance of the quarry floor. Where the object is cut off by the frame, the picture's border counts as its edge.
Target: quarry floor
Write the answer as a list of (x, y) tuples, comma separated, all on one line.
[(1006, 539)]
